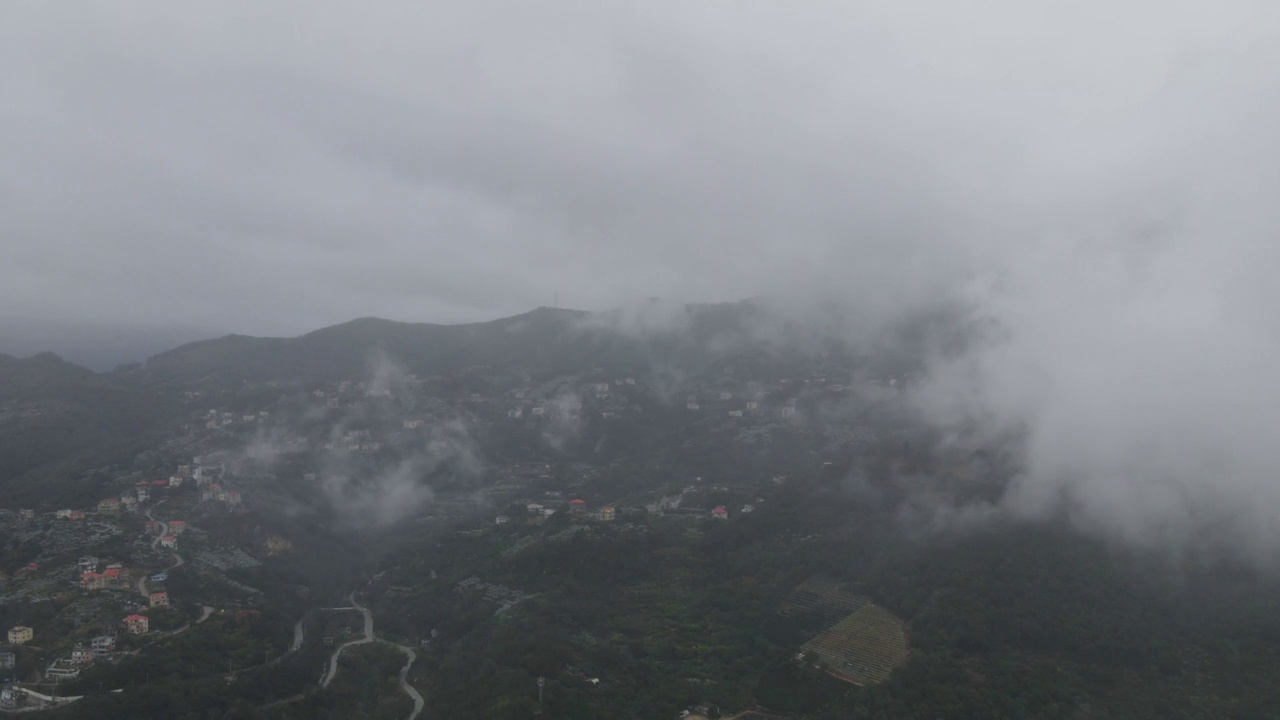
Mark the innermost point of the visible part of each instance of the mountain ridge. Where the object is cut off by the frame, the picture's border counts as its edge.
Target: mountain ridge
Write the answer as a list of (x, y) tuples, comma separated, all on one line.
[(540, 340)]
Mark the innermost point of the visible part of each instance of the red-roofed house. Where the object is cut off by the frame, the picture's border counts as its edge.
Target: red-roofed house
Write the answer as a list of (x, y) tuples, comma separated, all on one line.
[(159, 483), (92, 581), (159, 598), (77, 515), (177, 526), (154, 526), (111, 573), (169, 541), (578, 505), (137, 624), (720, 513)]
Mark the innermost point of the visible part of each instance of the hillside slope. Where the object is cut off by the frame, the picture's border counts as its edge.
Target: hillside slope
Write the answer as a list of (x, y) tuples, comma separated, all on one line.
[(54, 415)]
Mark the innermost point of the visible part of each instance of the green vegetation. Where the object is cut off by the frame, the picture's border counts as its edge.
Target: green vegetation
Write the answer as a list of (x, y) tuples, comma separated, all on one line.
[(1009, 620)]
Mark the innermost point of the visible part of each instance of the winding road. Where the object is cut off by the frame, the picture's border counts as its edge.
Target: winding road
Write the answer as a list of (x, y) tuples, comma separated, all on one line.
[(411, 691), (410, 657), (178, 561), (368, 638)]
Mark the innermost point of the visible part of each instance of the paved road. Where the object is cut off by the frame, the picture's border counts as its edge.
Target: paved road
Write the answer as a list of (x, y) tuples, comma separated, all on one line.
[(410, 657), (368, 638), (177, 559), (164, 530), (411, 691)]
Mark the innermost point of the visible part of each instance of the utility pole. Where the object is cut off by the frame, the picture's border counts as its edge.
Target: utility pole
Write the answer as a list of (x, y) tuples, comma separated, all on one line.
[(541, 682)]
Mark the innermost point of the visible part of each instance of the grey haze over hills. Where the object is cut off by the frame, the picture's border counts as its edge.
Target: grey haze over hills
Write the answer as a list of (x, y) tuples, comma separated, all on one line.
[(639, 338), (1093, 183), (97, 346), (1152, 451)]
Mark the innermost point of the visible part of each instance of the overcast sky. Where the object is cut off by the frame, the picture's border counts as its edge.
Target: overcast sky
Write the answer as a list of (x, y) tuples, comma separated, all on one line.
[(275, 167)]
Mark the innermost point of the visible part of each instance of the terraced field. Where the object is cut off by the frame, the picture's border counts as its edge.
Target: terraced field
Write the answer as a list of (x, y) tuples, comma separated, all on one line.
[(822, 596), (864, 647)]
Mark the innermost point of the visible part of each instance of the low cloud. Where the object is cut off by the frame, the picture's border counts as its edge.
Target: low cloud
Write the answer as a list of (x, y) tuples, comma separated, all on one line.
[(564, 422), (1142, 374), (368, 498)]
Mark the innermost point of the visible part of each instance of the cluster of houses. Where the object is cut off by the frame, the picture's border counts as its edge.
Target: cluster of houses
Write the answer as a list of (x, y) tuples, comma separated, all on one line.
[(538, 511), (68, 666), (745, 399), (578, 507), (130, 502), (94, 577), (604, 513), (170, 539), (216, 493), (91, 579), (672, 504), (215, 419), (362, 440), (750, 407), (208, 478)]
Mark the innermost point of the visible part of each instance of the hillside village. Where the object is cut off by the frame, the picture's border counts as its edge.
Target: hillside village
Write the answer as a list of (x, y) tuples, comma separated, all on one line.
[(524, 518), (96, 589)]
